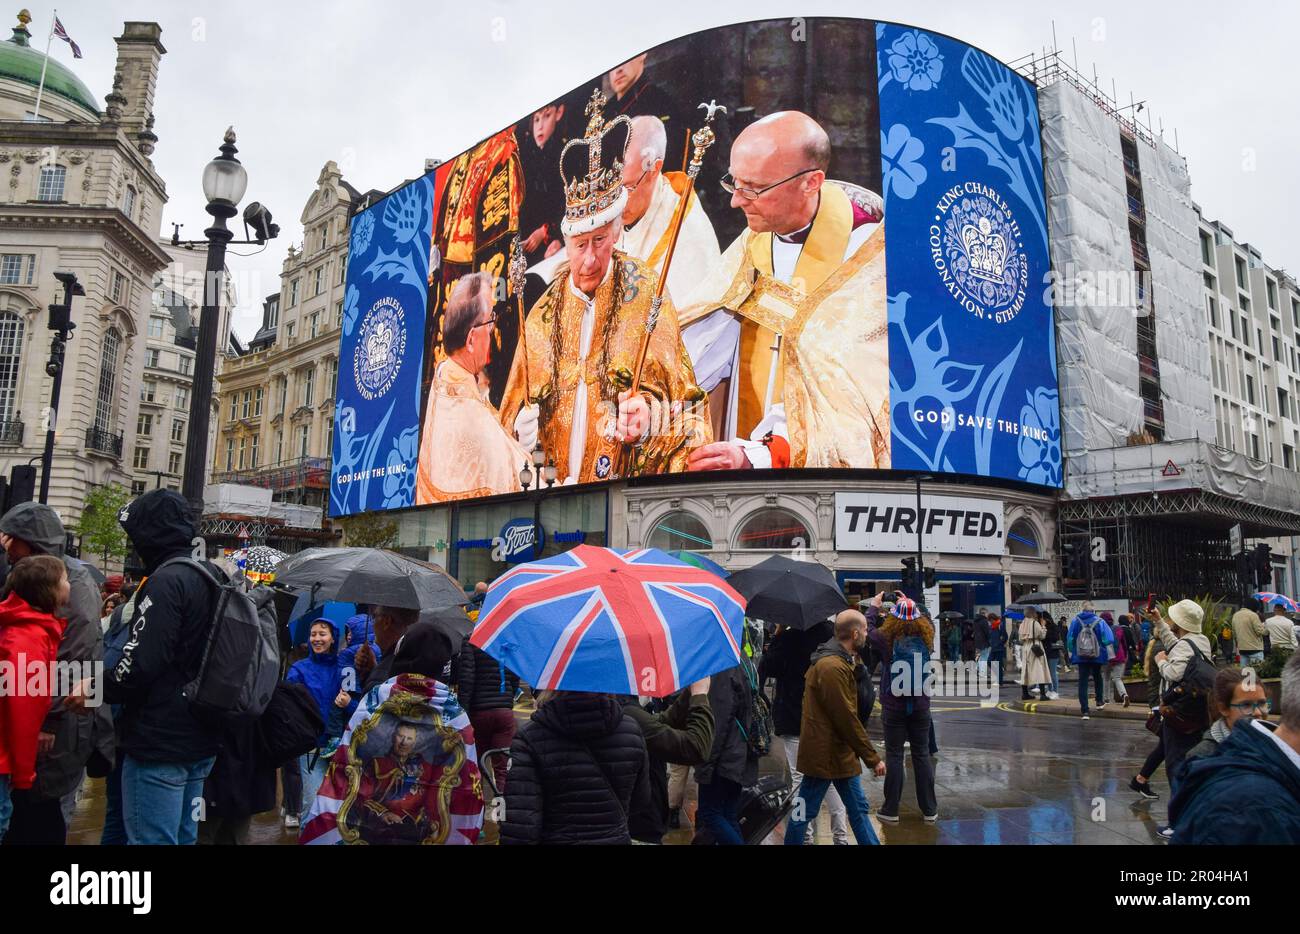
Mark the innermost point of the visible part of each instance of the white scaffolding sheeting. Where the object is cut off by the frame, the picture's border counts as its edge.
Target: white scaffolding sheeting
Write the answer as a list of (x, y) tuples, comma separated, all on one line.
[(1127, 471), (236, 499), (1091, 252), (1172, 235), (295, 515)]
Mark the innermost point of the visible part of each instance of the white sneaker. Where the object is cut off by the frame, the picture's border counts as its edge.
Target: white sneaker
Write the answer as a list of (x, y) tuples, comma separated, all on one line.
[(888, 818), (1084, 717), (290, 822), (1052, 695), (930, 818)]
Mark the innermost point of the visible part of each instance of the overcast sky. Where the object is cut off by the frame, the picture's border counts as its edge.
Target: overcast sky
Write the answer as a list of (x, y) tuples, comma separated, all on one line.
[(380, 86)]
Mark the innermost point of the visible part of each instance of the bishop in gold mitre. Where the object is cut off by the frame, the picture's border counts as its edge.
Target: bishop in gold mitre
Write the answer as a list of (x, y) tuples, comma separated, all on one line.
[(464, 451), (582, 338), (794, 315)]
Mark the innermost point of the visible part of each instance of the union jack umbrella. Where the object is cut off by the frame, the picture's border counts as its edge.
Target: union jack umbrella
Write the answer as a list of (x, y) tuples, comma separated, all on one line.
[(611, 621), (1268, 599)]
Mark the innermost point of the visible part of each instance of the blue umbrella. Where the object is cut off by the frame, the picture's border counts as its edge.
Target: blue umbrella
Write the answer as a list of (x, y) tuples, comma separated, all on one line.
[(304, 614), (622, 622), (701, 562)]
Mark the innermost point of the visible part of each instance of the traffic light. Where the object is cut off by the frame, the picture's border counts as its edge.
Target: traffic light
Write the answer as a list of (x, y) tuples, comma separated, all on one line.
[(1263, 561), (929, 578), (1074, 562), (909, 573)]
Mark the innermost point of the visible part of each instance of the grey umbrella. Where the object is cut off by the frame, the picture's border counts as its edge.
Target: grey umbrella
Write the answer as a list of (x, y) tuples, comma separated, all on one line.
[(96, 574), (451, 620), (371, 576), (1038, 598)]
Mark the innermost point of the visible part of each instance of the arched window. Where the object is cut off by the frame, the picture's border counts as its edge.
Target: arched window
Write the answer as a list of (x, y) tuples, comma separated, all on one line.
[(11, 351), (50, 185), (1022, 540), (104, 403), (773, 528), (680, 531)]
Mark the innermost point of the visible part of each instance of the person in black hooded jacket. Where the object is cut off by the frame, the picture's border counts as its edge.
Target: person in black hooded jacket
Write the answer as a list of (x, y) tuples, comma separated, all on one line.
[(169, 751), (732, 765), (486, 690), (578, 768)]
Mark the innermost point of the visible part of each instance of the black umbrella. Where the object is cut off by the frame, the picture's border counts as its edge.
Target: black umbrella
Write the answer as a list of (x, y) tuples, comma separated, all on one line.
[(95, 573), (950, 615), (370, 576), (1036, 598), (450, 620), (799, 594)]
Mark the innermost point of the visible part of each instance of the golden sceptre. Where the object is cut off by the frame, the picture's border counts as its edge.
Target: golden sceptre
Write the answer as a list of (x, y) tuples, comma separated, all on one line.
[(518, 267), (701, 140)]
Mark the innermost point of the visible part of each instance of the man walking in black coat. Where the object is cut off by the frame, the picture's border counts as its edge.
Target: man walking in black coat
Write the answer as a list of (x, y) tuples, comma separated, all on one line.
[(731, 765)]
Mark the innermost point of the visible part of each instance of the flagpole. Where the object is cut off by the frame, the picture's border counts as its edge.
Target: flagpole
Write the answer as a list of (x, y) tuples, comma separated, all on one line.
[(40, 89)]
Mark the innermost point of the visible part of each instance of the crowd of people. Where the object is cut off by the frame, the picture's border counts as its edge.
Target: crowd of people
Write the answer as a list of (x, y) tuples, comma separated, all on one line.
[(377, 730)]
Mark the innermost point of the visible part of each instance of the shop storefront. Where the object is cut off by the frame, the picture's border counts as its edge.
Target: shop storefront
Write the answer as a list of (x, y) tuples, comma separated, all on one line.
[(987, 544)]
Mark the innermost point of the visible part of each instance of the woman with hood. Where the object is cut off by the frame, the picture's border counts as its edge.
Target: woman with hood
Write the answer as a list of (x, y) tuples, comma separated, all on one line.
[(578, 767), (319, 671)]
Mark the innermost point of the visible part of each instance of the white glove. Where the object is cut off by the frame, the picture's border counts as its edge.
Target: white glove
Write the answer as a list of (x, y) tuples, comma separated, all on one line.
[(526, 426)]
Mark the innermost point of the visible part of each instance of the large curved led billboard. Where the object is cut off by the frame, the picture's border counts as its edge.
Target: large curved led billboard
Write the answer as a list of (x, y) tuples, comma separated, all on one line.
[(809, 243)]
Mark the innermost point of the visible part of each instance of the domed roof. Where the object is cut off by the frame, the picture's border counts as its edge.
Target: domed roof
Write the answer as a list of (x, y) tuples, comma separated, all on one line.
[(20, 62)]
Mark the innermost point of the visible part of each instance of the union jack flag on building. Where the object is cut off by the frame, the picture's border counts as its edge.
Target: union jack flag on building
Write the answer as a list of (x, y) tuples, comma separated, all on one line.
[(63, 34), (622, 622)]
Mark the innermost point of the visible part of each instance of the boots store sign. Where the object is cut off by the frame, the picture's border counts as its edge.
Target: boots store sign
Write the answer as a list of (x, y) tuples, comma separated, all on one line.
[(888, 522)]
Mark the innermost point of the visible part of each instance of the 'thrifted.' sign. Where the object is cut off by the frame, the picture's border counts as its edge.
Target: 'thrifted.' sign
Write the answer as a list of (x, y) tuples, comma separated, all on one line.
[(948, 524)]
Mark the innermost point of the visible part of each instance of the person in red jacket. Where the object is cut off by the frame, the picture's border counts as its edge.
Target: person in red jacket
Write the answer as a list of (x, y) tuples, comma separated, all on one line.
[(29, 640)]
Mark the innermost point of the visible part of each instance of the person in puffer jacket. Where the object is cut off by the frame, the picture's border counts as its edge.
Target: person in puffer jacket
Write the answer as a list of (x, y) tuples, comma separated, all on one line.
[(487, 692), (319, 671), (578, 767)]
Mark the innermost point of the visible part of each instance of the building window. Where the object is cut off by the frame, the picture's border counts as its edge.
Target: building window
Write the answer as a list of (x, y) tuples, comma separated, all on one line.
[(309, 387), (254, 463), (186, 364), (320, 279), (128, 203), (234, 406), (1272, 294), (1207, 253), (183, 398), (151, 357), (178, 429), (230, 454), (141, 461), (148, 391), (243, 450), (338, 314), (144, 425), (680, 531), (279, 446), (17, 268), (257, 402), (175, 462), (293, 293), (119, 287), (1214, 310), (305, 438), (1250, 389), (315, 324), (329, 438), (334, 378), (155, 328), (11, 353), (1022, 539), (50, 185), (273, 313), (284, 394), (246, 409), (773, 528), (290, 328), (107, 380), (137, 488), (343, 268), (1241, 272)]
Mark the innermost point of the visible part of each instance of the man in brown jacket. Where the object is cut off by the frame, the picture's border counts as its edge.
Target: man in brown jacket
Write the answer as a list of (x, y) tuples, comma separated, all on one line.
[(832, 738)]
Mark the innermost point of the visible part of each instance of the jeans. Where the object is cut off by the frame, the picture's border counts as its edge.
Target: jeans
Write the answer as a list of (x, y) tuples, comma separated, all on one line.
[(5, 807), (718, 811), (494, 729), (114, 833), (812, 790), (159, 800), (312, 777), (983, 656), (912, 727), (1054, 665), (1090, 670), (839, 814)]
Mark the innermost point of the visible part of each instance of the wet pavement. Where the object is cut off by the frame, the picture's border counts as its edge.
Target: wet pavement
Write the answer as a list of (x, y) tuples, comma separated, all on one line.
[(1003, 776)]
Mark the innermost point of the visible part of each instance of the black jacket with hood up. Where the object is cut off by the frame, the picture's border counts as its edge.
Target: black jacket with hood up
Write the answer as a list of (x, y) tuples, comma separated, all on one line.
[(59, 770), (168, 630)]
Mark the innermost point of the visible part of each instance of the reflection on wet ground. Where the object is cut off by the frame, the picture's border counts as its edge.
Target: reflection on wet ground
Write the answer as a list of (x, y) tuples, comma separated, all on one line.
[(1002, 777)]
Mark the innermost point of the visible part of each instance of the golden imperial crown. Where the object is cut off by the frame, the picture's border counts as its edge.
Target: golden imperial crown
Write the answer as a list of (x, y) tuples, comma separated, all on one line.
[(592, 171)]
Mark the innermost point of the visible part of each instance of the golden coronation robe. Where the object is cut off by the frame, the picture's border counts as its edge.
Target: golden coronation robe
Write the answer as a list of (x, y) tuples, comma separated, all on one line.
[(463, 449), (831, 398), (557, 373)]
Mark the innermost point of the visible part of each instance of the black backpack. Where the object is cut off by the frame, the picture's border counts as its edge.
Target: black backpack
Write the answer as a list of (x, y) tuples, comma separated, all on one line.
[(290, 725), (240, 665), (1186, 705)]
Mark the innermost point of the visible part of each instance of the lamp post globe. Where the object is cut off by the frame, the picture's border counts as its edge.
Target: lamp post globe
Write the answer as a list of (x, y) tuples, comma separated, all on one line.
[(224, 178)]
